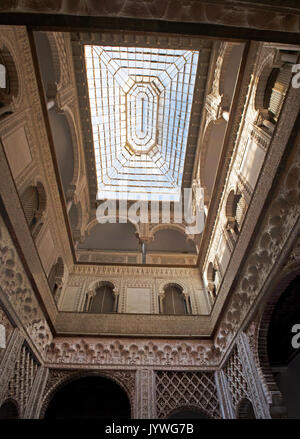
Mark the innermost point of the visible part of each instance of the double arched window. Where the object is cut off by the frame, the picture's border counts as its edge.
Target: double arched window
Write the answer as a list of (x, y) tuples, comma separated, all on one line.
[(173, 301), (102, 299)]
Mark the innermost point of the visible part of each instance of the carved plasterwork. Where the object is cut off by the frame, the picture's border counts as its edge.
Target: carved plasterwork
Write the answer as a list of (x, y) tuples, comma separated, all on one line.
[(22, 379), (256, 392), (17, 290), (9, 360), (278, 225), (236, 378), (94, 353), (145, 394), (39, 143), (8, 329), (246, 130)]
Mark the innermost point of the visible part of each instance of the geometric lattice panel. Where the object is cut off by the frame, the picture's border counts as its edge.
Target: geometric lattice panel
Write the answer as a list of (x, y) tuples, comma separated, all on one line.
[(236, 379), (176, 390)]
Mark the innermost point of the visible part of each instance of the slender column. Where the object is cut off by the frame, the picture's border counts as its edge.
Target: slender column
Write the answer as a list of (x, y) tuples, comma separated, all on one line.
[(145, 401), (224, 395), (144, 252), (8, 361), (258, 399)]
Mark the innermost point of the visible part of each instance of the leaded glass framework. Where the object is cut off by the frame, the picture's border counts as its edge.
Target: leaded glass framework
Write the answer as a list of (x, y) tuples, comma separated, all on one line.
[(140, 102)]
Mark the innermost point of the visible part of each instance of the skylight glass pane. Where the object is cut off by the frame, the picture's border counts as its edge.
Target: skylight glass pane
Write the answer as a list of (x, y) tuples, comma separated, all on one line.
[(140, 101)]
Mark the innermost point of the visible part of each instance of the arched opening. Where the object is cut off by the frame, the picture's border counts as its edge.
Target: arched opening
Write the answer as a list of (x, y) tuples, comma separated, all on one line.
[(33, 200), (283, 344), (104, 299), (64, 147), (9, 410), (173, 301), (245, 410), (30, 202), (277, 86), (110, 236), (90, 397), (55, 278), (234, 211), (169, 240), (270, 94), (211, 277)]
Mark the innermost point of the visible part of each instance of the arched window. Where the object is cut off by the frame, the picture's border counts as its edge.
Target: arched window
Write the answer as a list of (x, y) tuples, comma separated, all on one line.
[(103, 301), (235, 209), (30, 202), (33, 201), (211, 277), (173, 301), (9, 410), (55, 278), (276, 89)]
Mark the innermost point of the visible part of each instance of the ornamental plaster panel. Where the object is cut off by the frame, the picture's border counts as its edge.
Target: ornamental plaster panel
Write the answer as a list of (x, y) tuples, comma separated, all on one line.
[(17, 290)]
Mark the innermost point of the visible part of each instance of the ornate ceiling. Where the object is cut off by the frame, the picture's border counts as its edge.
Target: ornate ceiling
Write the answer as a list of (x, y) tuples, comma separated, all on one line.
[(143, 139), (140, 103)]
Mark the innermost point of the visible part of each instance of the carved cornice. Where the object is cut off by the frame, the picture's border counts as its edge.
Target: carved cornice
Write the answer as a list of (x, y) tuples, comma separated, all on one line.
[(264, 15), (95, 353), (134, 271)]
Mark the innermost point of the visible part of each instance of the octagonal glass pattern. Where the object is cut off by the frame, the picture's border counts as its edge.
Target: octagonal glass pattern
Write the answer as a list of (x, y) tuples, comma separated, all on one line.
[(140, 103)]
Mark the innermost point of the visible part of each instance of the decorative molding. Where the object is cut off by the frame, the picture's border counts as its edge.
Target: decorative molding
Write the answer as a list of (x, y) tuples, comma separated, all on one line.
[(224, 395), (22, 379), (9, 360), (36, 393), (255, 389), (94, 352), (17, 290), (145, 394)]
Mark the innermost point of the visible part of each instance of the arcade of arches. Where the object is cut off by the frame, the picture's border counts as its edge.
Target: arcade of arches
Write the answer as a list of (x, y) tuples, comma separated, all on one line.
[(164, 318)]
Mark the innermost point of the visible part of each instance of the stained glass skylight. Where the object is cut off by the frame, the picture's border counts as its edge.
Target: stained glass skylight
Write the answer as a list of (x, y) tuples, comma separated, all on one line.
[(140, 103)]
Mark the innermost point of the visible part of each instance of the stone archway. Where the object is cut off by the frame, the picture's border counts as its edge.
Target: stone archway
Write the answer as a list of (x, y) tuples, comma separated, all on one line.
[(9, 409), (245, 410), (88, 396), (271, 353)]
